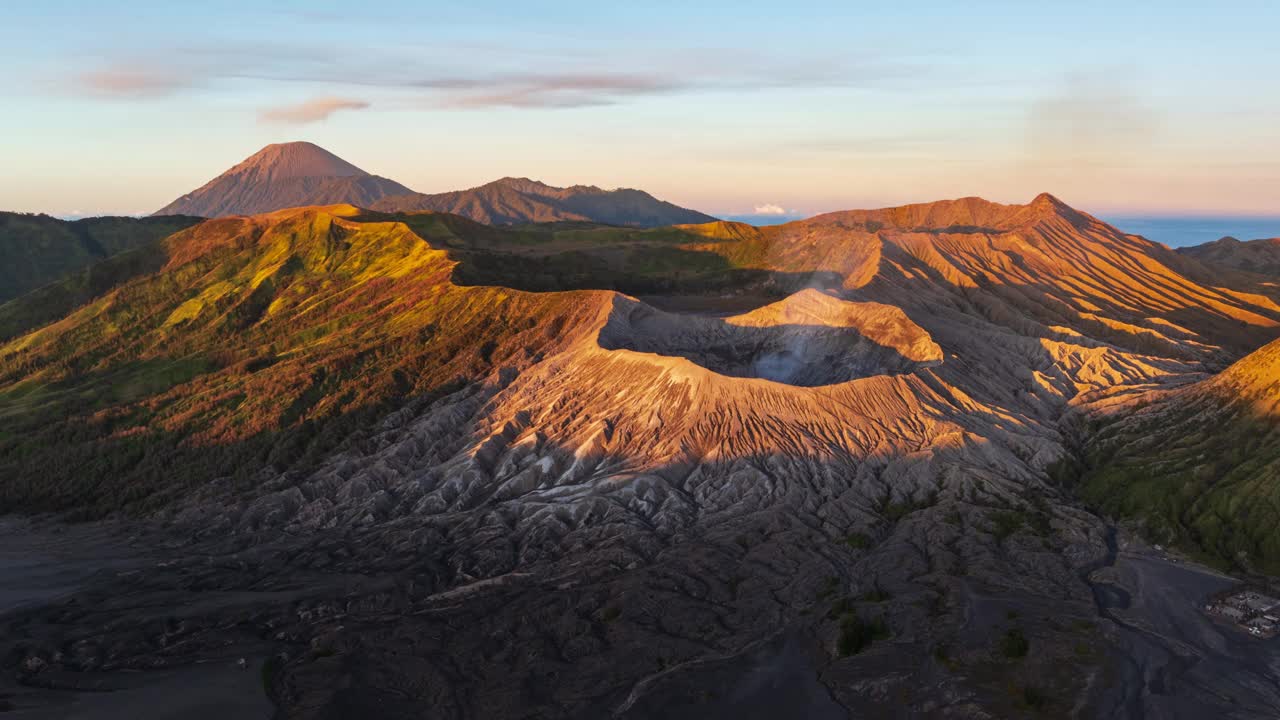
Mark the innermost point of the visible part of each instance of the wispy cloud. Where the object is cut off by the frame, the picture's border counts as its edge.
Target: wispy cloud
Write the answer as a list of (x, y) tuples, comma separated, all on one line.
[(547, 91), (437, 79), (770, 209), (130, 80), (309, 111)]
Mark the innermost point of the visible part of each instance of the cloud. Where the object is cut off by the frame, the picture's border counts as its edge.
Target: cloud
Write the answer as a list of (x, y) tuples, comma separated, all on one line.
[(129, 80), (546, 91), (310, 111), (460, 78), (770, 209)]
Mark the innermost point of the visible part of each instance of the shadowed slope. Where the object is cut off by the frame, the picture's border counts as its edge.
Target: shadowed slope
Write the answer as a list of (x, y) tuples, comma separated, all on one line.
[(36, 250), (1256, 256), (382, 470), (807, 339), (1200, 467)]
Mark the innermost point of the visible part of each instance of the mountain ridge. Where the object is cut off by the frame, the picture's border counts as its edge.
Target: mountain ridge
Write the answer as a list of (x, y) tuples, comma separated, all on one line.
[(36, 250), (302, 174), (513, 200), (1261, 256), (823, 415)]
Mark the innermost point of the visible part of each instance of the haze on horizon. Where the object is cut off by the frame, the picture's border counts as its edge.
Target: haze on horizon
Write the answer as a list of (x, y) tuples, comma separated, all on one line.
[(823, 107)]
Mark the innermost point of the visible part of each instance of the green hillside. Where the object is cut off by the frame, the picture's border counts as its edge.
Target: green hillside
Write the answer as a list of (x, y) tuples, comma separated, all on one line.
[(1201, 468), (38, 249), (261, 342)]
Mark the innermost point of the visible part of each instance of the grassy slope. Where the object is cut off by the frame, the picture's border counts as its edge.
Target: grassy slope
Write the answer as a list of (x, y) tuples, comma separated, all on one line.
[(263, 342), (37, 249), (1201, 469), (693, 260)]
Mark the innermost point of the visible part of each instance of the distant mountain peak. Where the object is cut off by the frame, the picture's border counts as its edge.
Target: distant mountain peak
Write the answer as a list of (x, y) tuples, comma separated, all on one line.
[(965, 212), (297, 159), (516, 200), (1046, 201), (284, 175), (1256, 256), (295, 174)]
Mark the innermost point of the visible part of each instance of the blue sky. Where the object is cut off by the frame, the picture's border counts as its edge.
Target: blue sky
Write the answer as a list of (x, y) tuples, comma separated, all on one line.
[(728, 107)]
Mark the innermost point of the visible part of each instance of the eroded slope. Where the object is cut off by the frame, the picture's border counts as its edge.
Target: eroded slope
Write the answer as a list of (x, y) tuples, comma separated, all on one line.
[(572, 504)]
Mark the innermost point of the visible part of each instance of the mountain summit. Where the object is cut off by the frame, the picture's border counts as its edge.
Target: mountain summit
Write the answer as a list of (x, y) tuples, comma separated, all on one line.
[(1259, 256), (281, 161), (284, 175), (512, 201)]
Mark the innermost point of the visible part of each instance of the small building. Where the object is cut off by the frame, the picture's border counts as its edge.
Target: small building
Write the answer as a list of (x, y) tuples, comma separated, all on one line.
[(1260, 627), (1232, 612), (1257, 602)]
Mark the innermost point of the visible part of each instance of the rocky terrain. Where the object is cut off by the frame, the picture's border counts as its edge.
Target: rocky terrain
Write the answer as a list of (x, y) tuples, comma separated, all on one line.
[(1256, 256), (416, 466)]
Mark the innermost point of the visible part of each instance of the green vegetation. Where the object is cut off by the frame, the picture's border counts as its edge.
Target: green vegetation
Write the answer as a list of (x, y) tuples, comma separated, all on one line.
[(1005, 523), (828, 587), (578, 256), (1210, 488), (271, 668), (38, 249), (252, 349), (857, 634), (1013, 644), (875, 594), (895, 511), (1033, 698), (858, 541)]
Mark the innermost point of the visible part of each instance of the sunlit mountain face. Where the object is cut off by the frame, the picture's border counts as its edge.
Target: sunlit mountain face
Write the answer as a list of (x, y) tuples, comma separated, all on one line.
[(924, 437), (581, 361)]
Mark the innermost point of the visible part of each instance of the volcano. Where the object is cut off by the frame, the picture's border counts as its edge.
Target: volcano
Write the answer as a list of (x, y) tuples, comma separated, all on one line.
[(298, 174), (420, 465), (281, 176)]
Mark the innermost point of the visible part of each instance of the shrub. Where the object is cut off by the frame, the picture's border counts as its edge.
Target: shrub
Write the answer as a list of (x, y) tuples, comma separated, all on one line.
[(1005, 523), (1013, 644), (875, 594), (1034, 697), (857, 634), (858, 541)]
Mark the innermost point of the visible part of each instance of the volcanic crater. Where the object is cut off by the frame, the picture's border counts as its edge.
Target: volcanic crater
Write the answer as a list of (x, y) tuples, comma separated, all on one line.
[(808, 339)]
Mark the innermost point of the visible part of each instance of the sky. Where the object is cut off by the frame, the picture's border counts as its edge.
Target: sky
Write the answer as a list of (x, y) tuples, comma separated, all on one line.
[(733, 108)]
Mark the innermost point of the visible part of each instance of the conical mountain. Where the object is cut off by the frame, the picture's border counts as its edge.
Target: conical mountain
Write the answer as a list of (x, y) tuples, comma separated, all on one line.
[(281, 176)]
